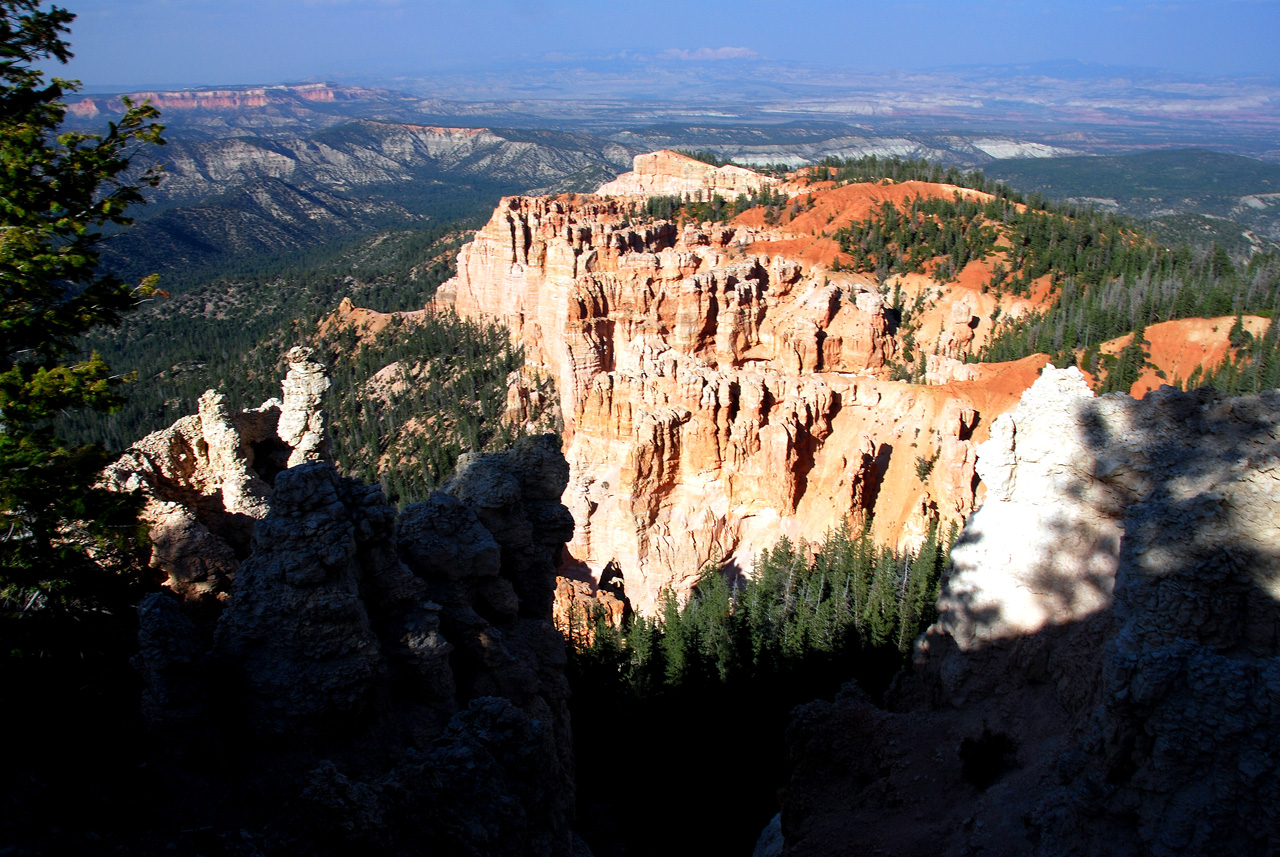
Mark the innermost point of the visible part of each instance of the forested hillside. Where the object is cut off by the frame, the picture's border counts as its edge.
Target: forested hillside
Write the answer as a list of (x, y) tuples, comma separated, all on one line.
[(231, 333), (1105, 275), (403, 404), (408, 401)]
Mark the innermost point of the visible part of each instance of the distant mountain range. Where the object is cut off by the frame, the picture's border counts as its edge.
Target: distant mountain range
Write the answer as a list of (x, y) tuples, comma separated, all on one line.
[(262, 170), (229, 200), (1088, 108)]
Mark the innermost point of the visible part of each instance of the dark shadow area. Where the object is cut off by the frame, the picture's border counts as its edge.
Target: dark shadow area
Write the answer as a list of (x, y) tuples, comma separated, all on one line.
[(695, 769), (984, 759), (328, 714), (683, 715), (1102, 675), (270, 456), (881, 466)]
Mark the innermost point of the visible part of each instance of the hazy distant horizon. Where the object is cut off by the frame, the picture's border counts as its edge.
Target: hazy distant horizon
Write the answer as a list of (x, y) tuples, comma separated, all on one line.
[(1054, 69), (134, 44)]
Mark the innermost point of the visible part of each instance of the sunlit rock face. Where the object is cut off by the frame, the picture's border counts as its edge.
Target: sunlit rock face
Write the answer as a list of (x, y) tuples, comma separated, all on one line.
[(714, 399), (669, 173), (1044, 547), (206, 478), (1110, 624)]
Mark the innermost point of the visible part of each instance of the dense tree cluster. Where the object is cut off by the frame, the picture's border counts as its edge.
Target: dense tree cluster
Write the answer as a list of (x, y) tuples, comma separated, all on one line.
[(70, 552), (707, 688), (844, 599), (871, 168), (1066, 244), (60, 193), (715, 208), (440, 391), (900, 242)]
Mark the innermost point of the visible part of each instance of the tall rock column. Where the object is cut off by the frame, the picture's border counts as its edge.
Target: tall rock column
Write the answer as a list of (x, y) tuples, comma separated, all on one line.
[(301, 423)]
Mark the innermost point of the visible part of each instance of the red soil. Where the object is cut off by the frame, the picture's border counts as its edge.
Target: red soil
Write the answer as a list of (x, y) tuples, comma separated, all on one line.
[(368, 323), (999, 387), (1177, 347)]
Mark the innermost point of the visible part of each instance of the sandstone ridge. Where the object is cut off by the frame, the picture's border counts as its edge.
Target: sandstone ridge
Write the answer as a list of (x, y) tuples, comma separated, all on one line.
[(667, 173)]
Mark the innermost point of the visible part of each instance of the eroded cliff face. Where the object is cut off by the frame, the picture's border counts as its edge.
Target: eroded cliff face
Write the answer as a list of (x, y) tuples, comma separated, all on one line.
[(716, 399), (1104, 672)]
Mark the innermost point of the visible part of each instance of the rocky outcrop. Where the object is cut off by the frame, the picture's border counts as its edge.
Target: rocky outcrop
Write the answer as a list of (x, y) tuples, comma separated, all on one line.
[(582, 604), (713, 399), (300, 627), (668, 173), (1105, 666), (1043, 549), (206, 478), (396, 680)]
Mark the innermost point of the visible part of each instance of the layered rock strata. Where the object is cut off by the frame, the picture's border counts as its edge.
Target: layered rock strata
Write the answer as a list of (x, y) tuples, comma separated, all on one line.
[(715, 400), (1105, 669)]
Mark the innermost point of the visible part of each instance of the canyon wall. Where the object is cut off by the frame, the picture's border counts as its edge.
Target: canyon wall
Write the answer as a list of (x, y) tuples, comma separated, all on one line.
[(716, 399)]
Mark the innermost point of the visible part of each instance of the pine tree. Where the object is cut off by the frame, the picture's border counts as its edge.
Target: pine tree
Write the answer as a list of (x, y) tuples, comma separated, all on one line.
[(58, 193)]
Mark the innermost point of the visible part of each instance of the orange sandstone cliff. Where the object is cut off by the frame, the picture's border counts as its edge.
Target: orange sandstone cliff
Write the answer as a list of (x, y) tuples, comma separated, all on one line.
[(718, 396)]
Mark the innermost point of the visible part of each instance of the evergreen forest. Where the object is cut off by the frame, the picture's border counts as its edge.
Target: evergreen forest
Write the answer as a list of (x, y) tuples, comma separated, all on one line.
[(231, 333), (702, 692), (415, 397)]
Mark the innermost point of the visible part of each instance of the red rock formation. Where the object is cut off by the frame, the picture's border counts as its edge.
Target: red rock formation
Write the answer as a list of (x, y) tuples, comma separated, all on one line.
[(578, 605), (716, 399), (221, 99), (367, 323)]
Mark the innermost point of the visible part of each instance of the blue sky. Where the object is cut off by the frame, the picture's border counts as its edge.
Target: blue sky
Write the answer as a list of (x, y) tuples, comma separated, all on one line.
[(206, 42)]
